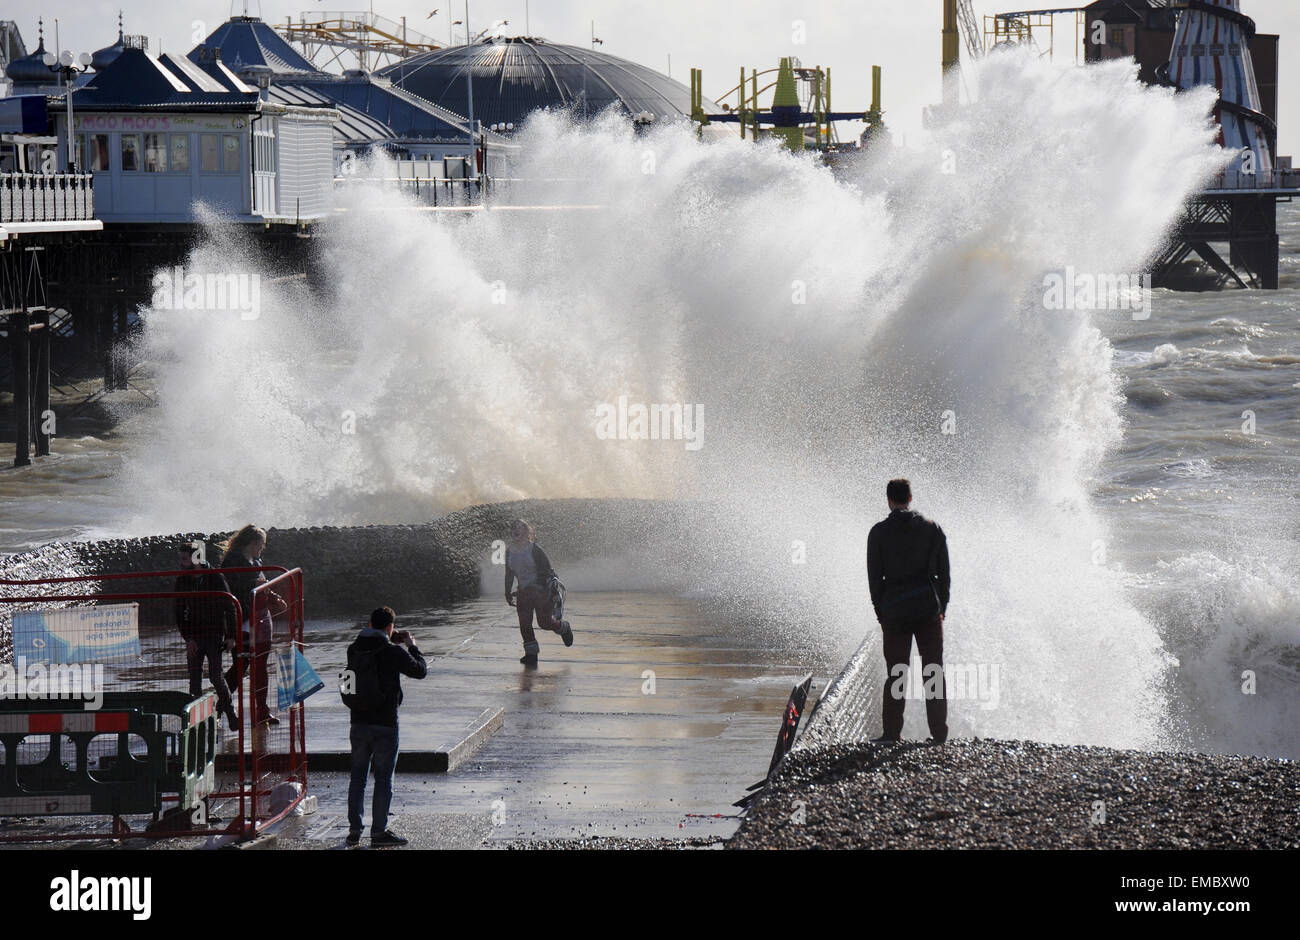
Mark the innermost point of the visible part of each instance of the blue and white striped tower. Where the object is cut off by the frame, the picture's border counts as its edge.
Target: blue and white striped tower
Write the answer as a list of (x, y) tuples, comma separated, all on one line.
[(1212, 47)]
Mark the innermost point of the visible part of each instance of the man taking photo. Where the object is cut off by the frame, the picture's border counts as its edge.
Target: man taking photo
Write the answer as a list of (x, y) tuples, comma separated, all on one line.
[(372, 689)]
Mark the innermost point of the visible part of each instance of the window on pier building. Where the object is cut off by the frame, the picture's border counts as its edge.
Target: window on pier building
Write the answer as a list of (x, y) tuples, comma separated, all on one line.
[(97, 157), (130, 153), (209, 153), (155, 153), (230, 153), (180, 150), (219, 153), (1124, 39), (264, 152)]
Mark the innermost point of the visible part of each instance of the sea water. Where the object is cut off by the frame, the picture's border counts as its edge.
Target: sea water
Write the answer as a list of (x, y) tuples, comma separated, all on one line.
[(1117, 485)]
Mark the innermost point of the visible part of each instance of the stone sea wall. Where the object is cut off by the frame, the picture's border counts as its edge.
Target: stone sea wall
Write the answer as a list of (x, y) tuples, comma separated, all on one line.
[(350, 570)]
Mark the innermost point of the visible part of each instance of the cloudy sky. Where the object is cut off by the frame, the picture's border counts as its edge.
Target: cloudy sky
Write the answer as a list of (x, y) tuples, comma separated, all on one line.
[(849, 36)]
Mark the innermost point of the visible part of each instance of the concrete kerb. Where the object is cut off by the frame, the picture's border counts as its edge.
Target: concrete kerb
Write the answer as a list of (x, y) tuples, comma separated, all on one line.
[(443, 760)]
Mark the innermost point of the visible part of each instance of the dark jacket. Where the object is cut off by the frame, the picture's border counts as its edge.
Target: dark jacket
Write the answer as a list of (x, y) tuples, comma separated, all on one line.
[(393, 663), (544, 569), (204, 618), (242, 583), (905, 553)]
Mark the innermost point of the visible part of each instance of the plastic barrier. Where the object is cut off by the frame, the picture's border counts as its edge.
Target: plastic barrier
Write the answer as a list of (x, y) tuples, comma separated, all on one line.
[(144, 745), (104, 774)]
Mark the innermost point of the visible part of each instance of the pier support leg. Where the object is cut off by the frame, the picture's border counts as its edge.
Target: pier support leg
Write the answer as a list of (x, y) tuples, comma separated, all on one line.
[(1261, 255), (41, 345), (1253, 228), (19, 342)]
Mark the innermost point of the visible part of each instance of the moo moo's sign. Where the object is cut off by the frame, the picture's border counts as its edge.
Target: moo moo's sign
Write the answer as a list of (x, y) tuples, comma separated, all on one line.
[(182, 123)]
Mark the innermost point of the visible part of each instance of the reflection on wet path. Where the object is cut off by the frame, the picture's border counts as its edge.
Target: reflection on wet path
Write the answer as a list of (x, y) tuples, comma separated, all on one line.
[(656, 713)]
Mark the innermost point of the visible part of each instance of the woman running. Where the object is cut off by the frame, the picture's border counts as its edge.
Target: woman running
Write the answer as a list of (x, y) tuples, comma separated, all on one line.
[(527, 563)]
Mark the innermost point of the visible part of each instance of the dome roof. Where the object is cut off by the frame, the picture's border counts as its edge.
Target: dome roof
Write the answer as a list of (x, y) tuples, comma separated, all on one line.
[(108, 55), (514, 77), (245, 41), (32, 70)]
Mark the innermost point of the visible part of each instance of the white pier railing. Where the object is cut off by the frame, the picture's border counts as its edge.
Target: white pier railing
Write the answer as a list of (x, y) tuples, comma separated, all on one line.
[(46, 197)]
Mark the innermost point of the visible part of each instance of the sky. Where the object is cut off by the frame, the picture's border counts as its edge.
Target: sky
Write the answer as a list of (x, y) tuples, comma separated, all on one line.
[(848, 36)]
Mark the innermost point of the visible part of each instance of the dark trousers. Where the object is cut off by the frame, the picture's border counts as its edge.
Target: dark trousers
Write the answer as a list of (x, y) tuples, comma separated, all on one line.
[(898, 652), (261, 681), (261, 643), (374, 747), (530, 601), (197, 652)]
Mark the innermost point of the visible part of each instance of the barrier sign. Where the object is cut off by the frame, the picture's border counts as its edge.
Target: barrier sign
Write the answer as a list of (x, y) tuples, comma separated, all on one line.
[(104, 634), (790, 722), (296, 679)]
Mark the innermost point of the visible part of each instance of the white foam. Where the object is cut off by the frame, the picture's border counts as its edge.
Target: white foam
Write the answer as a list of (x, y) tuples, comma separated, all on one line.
[(924, 296)]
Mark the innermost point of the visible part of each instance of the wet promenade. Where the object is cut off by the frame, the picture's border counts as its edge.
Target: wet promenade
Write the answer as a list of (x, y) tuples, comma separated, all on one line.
[(654, 721)]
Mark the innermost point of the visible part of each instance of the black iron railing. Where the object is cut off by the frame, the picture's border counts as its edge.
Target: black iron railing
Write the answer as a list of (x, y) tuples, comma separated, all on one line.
[(1245, 182)]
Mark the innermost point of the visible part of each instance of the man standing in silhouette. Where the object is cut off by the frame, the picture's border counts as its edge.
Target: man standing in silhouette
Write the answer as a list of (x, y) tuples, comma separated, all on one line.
[(907, 570)]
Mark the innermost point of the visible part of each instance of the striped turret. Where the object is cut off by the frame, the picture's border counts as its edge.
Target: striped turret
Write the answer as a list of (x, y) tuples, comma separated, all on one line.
[(1212, 47)]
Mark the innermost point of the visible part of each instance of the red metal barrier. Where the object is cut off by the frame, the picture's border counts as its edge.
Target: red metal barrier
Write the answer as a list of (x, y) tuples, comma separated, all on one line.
[(278, 754), (265, 756)]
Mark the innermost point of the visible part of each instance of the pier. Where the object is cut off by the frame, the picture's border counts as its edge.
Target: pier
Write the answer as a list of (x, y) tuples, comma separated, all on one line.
[(39, 213)]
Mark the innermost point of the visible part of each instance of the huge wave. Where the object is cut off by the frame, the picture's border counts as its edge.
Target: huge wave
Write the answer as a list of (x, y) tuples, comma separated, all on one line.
[(834, 331)]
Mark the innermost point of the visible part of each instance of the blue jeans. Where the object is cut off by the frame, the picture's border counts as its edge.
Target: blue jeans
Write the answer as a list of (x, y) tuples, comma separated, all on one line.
[(373, 746)]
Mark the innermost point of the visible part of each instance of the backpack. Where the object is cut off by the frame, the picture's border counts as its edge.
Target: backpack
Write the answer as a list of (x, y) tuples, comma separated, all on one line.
[(368, 693), (555, 590)]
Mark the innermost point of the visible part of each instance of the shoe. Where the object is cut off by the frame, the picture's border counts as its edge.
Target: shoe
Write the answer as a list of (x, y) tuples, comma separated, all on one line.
[(566, 633), (529, 659), (934, 740), (354, 837), (885, 739), (268, 720), (386, 838), (232, 718)]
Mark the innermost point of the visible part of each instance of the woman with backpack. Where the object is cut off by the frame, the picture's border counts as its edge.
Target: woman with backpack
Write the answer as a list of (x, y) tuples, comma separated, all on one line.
[(528, 564)]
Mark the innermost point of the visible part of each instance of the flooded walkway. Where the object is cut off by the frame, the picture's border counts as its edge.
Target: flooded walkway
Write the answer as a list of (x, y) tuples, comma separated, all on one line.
[(656, 719), (649, 727)]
